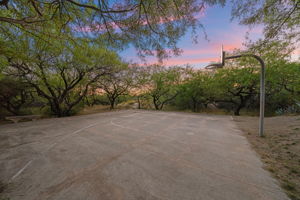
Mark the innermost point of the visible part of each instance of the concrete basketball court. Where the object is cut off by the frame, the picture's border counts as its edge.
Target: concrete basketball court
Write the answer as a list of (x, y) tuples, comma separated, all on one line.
[(128, 155)]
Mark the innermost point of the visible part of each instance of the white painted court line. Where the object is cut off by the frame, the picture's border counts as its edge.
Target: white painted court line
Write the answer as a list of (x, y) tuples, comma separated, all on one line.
[(73, 133), (125, 127), (20, 171), (51, 146)]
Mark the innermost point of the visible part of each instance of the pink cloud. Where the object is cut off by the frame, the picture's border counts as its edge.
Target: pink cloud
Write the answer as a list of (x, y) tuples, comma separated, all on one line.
[(295, 56), (189, 61), (184, 61), (212, 49), (191, 56)]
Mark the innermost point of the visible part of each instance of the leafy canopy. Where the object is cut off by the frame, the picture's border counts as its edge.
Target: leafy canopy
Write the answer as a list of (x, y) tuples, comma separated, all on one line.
[(281, 19), (150, 25)]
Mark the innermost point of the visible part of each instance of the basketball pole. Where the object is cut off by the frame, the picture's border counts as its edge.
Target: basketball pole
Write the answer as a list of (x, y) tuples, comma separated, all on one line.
[(262, 83)]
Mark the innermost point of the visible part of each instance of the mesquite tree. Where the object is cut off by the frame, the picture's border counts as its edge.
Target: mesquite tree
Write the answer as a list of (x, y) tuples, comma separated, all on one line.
[(163, 85), (60, 76), (116, 83)]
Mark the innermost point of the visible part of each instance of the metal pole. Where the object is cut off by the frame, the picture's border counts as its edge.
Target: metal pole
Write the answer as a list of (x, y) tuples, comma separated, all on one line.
[(262, 98), (262, 90)]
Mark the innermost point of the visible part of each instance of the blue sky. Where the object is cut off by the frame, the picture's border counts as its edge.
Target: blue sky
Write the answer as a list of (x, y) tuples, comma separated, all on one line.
[(220, 30)]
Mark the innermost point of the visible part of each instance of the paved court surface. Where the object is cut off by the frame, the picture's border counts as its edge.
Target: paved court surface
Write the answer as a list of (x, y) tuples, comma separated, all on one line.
[(128, 155)]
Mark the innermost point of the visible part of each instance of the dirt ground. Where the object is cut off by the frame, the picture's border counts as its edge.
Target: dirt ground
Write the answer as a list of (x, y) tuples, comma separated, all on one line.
[(279, 149)]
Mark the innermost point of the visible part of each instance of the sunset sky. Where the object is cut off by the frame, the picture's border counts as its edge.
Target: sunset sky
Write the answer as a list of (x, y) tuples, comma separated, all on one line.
[(220, 30)]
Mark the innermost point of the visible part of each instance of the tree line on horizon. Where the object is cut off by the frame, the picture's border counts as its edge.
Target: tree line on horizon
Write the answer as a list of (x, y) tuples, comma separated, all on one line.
[(55, 57), (61, 82)]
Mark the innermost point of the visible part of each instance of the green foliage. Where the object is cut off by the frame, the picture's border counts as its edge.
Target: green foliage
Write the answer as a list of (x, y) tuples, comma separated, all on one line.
[(62, 75), (283, 87), (151, 26), (96, 99), (62, 53), (236, 86), (15, 95), (163, 85), (280, 18), (115, 84), (196, 92), (273, 52)]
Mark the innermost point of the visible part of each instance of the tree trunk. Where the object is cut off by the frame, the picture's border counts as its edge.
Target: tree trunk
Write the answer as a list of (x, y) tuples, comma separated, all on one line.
[(112, 103), (161, 106), (139, 103), (241, 105), (237, 110), (194, 102), (88, 103), (155, 104), (55, 108), (12, 110)]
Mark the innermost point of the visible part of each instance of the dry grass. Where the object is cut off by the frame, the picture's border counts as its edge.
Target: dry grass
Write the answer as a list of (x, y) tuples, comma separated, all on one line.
[(94, 109), (279, 149), (104, 108), (86, 111)]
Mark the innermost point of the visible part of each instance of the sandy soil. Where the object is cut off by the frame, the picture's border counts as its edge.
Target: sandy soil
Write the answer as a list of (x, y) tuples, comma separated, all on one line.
[(279, 149)]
